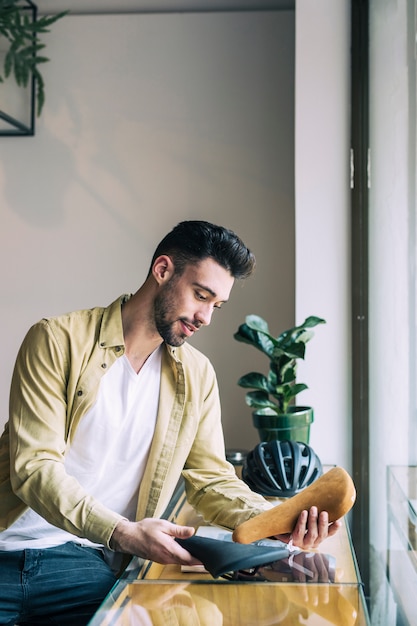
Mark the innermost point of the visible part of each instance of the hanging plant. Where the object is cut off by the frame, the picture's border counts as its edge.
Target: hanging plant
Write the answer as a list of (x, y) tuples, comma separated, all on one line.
[(21, 28)]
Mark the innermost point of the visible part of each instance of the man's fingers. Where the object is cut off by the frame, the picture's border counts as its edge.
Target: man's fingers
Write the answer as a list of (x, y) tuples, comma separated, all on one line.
[(334, 527), (311, 528), (182, 532)]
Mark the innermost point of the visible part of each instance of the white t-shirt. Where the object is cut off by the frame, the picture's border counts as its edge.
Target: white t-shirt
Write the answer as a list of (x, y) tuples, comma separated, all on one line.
[(109, 451)]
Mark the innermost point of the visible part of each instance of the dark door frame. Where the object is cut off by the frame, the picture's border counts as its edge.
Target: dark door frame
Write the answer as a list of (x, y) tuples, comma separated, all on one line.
[(360, 268)]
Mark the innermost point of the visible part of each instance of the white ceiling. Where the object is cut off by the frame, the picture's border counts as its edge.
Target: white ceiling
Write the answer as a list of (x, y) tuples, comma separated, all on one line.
[(157, 6)]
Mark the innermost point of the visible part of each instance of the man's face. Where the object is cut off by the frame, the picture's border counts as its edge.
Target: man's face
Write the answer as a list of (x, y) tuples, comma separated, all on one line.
[(186, 302)]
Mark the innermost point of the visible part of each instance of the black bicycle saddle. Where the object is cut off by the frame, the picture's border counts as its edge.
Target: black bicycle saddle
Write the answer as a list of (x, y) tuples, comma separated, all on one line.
[(220, 557)]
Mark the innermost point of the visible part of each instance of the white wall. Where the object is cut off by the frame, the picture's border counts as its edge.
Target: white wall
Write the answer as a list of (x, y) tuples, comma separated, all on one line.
[(392, 253), (322, 217), (149, 120), (83, 202)]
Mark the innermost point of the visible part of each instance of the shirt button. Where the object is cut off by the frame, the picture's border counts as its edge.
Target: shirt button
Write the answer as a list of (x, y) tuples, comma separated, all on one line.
[(118, 348), (79, 392), (102, 344), (104, 365)]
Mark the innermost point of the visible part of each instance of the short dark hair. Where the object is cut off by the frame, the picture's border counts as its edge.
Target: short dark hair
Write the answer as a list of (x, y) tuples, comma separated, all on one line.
[(195, 240)]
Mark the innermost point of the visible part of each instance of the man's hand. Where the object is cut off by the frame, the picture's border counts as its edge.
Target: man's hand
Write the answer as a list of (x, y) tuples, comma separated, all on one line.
[(153, 539), (311, 529)]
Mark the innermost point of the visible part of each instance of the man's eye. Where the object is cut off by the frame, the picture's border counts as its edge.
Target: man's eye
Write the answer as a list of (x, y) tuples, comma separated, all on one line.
[(200, 296)]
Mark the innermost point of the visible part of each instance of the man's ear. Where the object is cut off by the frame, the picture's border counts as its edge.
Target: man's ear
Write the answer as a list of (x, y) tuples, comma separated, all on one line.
[(163, 269)]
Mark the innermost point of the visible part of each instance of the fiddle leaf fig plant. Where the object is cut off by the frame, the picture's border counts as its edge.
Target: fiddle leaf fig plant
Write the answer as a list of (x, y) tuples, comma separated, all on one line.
[(272, 394), (20, 44)]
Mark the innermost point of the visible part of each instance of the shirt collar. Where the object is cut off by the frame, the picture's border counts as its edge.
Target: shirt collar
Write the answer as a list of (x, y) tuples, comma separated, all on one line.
[(111, 330)]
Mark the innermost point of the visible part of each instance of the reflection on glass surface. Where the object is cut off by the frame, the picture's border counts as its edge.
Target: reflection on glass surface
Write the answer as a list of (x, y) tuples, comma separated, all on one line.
[(148, 603), (310, 567)]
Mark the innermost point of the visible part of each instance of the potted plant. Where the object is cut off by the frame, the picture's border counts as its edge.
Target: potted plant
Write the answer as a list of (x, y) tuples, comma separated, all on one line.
[(272, 396), (20, 30)]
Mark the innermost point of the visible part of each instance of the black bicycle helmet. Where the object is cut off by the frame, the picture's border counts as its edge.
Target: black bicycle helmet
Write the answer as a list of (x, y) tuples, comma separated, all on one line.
[(281, 468)]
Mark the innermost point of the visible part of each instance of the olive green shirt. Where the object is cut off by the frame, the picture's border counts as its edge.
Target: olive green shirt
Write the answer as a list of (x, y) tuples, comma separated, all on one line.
[(55, 382)]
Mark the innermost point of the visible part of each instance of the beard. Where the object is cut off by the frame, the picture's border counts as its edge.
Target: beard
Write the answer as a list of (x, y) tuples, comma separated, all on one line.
[(164, 315)]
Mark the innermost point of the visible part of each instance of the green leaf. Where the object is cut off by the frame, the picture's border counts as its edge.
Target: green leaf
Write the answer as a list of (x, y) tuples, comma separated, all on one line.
[(40, 91), (258, 399), (48, 20), (254, 338), (312, 321), (294, 351), (24, 74), (296, 389), (41, 60), (309, 322), (289, 373), (260, 327), (257, 323), (254, 380), (8, 63), (303, 336)]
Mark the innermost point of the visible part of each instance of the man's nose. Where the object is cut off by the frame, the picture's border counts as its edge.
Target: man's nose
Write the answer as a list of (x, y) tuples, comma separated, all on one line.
[(204, 315)]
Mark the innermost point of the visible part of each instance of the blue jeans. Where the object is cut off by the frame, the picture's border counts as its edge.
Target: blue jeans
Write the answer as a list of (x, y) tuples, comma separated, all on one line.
[(63, 585)]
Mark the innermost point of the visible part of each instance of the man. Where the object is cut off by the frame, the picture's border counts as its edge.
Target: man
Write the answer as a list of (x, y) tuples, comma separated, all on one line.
[(107, 408)]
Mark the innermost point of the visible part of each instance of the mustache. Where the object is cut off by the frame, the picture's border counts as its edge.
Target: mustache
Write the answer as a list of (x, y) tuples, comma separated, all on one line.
[(194, 325)]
